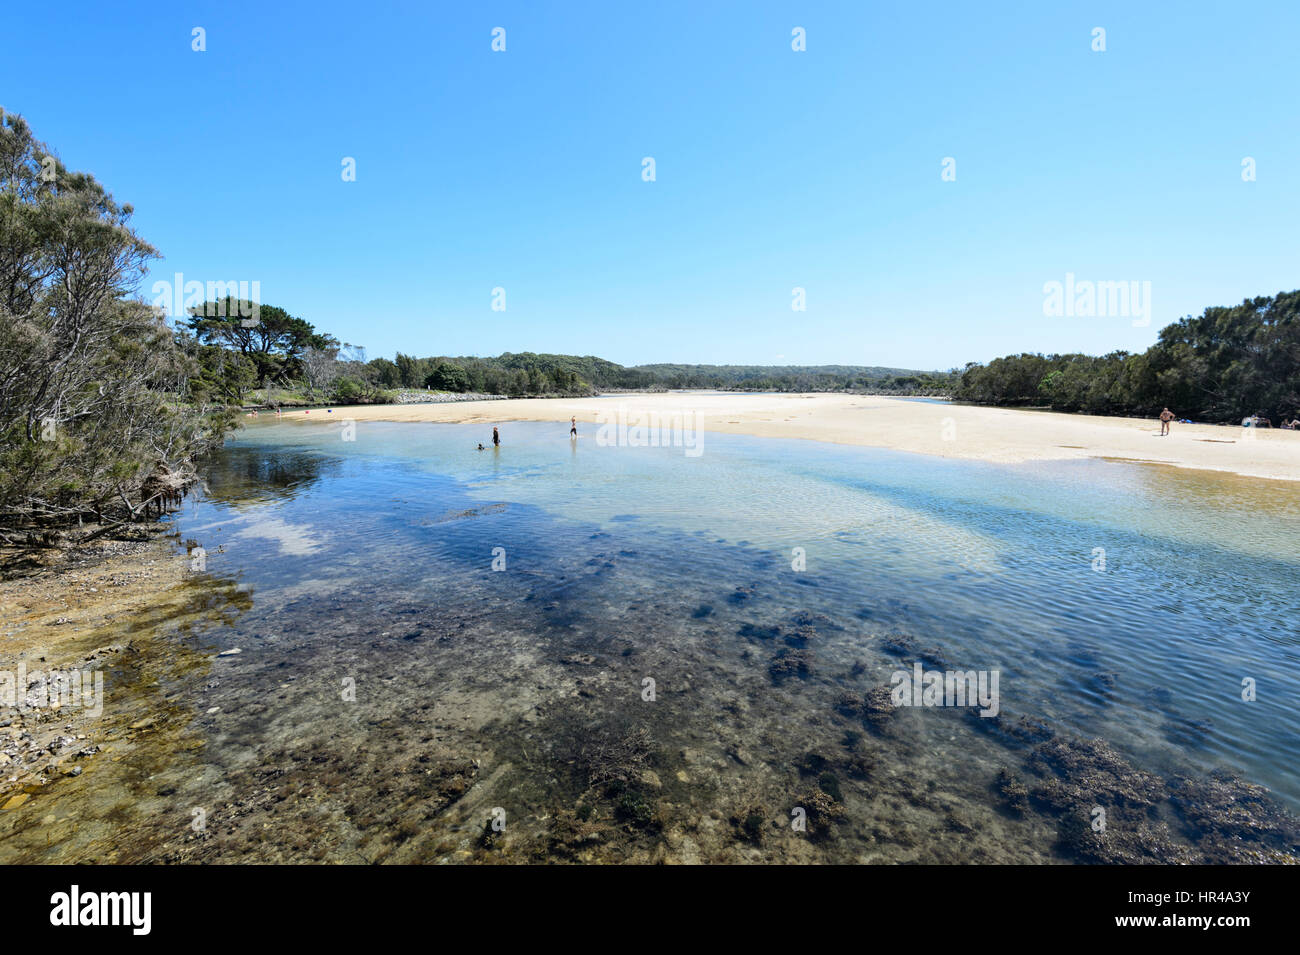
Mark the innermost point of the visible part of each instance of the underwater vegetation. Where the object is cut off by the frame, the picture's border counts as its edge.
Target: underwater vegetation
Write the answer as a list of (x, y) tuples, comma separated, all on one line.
[(620, 694)]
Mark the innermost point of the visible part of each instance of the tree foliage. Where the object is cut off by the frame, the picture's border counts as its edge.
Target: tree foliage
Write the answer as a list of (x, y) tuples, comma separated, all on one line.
[(273, 340), (1221, 366), (95, 393)]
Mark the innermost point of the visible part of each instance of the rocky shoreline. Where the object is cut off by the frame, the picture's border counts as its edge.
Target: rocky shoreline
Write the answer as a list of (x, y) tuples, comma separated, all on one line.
[(441, 397), (70, 617)]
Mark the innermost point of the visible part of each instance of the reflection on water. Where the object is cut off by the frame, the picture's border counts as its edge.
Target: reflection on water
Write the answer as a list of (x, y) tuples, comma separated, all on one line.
[(247, 475), (611, 649)]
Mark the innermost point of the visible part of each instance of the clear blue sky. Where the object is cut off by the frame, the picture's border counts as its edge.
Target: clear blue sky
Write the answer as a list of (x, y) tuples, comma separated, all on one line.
[(775, 169)]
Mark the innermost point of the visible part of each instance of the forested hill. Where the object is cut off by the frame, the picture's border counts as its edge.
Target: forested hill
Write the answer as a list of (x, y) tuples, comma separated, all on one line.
[(800, 378), (515, 373)]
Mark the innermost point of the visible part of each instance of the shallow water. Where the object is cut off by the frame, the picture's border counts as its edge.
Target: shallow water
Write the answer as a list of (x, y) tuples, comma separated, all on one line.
[(364, 569)]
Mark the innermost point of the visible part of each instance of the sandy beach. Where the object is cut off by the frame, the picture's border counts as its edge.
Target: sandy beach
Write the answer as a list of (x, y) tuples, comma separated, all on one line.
[(1000, 435)]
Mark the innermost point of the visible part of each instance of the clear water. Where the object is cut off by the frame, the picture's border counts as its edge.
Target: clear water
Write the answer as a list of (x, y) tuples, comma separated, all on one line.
[(479, 692)]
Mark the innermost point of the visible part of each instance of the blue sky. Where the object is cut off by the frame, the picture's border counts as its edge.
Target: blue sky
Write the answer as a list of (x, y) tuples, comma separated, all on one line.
[(775, 169)]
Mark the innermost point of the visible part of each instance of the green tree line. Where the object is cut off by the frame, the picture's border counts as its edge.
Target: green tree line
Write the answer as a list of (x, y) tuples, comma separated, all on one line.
[(1222, 366), (319, 368), (525, 373), (801, 378)]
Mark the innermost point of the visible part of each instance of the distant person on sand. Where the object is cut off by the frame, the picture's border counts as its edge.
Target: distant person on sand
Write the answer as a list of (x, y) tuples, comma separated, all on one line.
[(573, 427), (1166, 416), (496, 438)]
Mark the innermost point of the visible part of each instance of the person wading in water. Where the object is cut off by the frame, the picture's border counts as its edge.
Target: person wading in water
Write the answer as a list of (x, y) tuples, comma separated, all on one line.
[(496, 438), (573, 427)]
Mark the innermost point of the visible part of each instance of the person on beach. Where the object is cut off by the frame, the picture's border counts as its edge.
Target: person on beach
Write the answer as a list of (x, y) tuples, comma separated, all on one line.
[(496, 438), (573, 427), (1166, 416)]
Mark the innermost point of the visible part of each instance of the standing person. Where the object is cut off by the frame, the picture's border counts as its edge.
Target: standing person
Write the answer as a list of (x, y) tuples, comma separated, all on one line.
[(573, 427), (496, 438), (1166, 416)]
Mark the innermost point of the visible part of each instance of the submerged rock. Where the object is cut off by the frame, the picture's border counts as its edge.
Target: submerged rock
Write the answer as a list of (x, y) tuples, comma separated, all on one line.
[(1013, 791), (1235, 820), (878, 708), (753, 631), (850, 703), (741, 594), (809, 618), (750, 823), (1111, 812), (790, 662), (1091, 772), (1123, 840), (822, 811), (904, 647), (573, 834), (798, 636)]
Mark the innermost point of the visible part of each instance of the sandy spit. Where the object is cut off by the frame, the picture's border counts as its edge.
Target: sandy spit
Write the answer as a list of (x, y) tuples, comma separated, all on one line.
[(1000, 435)]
